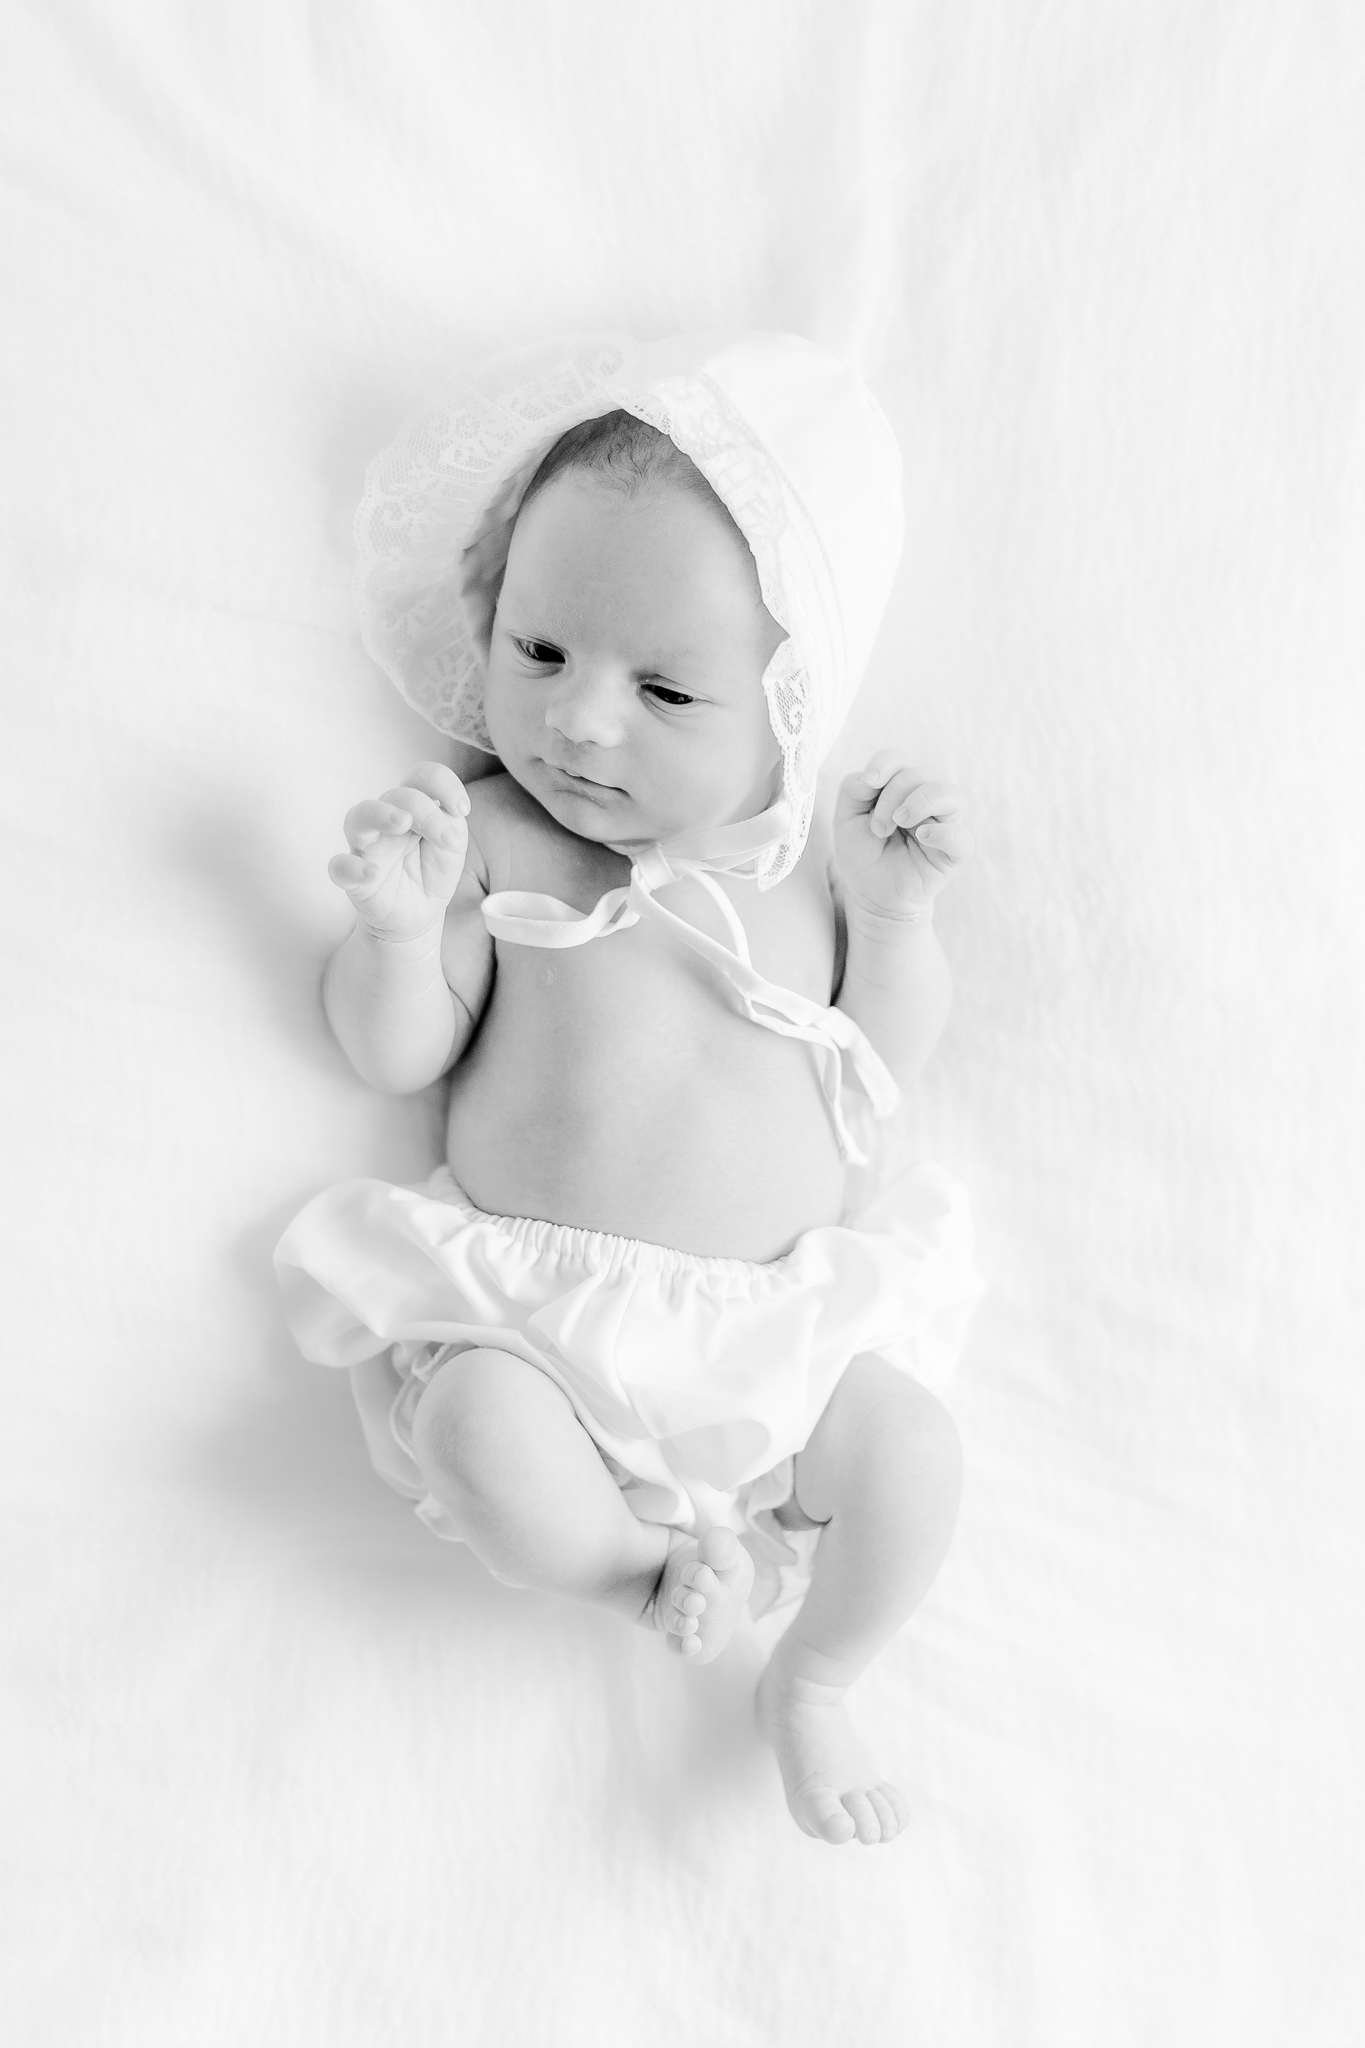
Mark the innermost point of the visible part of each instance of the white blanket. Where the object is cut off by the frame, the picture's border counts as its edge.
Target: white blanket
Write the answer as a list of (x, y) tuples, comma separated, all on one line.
[(281, 1768)]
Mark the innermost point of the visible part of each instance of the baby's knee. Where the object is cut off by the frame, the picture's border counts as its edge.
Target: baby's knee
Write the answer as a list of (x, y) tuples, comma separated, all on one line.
[(918, 1421), (887, 1440), (464, 1426), (909, 1440)]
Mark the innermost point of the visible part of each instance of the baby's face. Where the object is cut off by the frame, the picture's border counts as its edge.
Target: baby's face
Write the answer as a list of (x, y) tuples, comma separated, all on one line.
[(624, 677)]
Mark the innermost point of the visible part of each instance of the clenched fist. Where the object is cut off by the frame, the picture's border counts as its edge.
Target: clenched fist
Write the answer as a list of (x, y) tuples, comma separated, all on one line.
[(898, 837)]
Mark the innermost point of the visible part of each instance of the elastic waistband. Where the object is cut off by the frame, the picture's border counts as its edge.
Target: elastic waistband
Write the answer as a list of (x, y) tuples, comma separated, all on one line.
[(594, 1250)]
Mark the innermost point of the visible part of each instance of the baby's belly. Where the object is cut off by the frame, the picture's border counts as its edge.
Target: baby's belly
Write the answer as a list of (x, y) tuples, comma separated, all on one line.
[(643, 1104)]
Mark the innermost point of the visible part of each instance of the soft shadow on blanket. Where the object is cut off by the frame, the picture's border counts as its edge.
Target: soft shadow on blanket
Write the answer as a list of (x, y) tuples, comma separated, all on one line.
[(289, 1469)]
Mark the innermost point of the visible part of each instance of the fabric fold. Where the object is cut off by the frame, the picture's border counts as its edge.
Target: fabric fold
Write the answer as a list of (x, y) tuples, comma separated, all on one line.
[(697, 1378)]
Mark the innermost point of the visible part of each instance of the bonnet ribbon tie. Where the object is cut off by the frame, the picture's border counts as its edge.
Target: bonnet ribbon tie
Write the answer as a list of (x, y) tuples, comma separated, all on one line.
[(526, 918)]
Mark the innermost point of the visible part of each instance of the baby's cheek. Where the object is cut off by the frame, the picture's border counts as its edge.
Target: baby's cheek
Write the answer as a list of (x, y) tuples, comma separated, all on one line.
[(504, 715)]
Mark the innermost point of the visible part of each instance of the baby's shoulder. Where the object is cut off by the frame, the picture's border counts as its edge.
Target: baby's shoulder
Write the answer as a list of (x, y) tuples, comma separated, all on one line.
[(792, 927), (814, 880), (818, 855), (502, 818), (821, 882), (517, 845)]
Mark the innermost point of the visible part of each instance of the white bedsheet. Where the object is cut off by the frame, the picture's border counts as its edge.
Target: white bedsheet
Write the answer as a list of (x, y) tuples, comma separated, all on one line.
[(280, 1768)]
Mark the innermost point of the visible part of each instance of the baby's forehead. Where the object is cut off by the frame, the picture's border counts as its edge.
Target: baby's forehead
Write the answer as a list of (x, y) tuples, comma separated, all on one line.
[(659, 530), (657, 577)]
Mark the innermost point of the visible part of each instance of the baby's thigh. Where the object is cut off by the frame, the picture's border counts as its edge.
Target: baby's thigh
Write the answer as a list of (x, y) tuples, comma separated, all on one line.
[(882, 1435)]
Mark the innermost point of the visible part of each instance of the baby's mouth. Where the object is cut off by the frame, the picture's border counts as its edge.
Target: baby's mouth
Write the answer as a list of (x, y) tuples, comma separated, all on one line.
[(584, 783)]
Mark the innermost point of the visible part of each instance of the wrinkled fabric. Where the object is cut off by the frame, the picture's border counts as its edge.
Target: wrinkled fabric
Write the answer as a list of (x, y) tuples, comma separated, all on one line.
[(697, 1378)]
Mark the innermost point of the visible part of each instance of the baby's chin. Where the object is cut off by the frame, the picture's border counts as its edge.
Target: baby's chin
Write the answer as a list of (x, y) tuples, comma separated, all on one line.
[(594, 810), (610, 816)]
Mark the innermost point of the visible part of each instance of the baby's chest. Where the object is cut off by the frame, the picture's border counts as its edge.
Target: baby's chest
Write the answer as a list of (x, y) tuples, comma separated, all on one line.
[(645, 975), (646, 979)]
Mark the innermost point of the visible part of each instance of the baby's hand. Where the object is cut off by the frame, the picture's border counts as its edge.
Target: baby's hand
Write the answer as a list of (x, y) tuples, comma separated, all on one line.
[(897, 837), (407, 853)]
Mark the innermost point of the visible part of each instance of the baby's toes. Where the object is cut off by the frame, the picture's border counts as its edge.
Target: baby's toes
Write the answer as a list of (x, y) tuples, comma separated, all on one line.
[(898, 1803), (722, 1568), (888, 1819), (682, 1621), (718, 1548), (681, 1631), (866, 1823), (830, 1818)]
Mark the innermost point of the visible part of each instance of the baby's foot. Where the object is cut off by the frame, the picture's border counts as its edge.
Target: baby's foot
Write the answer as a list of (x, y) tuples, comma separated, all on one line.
[(701, 1590), (833, 1788)]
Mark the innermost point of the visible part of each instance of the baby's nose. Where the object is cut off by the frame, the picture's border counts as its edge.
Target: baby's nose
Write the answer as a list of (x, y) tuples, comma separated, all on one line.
[(587, 709)]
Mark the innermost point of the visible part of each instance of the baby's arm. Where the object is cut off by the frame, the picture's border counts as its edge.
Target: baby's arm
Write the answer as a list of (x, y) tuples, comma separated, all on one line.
[(897, 838), (404, 992)]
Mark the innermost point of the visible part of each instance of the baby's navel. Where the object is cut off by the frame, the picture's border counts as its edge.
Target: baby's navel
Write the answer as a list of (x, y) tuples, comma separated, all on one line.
[(547, 976)]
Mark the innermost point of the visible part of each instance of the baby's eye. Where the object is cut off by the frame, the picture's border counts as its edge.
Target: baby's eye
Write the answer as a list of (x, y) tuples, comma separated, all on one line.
[(538, 650), (666, 695)]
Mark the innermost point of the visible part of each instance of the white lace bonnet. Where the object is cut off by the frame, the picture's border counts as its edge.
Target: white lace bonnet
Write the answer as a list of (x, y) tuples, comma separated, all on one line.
[(789, 438)]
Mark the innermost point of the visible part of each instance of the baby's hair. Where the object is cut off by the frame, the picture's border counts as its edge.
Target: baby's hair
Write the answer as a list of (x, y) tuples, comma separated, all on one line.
[(625, 451)]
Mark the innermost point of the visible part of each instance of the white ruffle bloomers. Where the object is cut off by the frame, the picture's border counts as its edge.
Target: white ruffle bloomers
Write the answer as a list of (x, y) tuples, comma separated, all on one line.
[(698, 1379)]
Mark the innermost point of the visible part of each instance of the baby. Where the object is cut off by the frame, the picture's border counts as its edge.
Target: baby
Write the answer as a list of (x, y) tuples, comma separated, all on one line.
[(638, 1337)]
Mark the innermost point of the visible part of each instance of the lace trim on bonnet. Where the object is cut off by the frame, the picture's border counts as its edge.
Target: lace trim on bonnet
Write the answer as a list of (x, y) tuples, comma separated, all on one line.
[(435, 523)]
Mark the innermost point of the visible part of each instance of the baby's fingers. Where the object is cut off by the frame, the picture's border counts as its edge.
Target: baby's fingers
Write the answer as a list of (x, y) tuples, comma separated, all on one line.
[(422, 815), (948, 843), (896, 798), (910, 808), (442, 784), (350, 871), (376, 818), (873, 793), (860, 790)]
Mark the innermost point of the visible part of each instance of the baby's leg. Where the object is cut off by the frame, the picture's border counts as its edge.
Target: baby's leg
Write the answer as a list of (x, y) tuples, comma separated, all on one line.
[(883, 1474), (502, 1450)]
